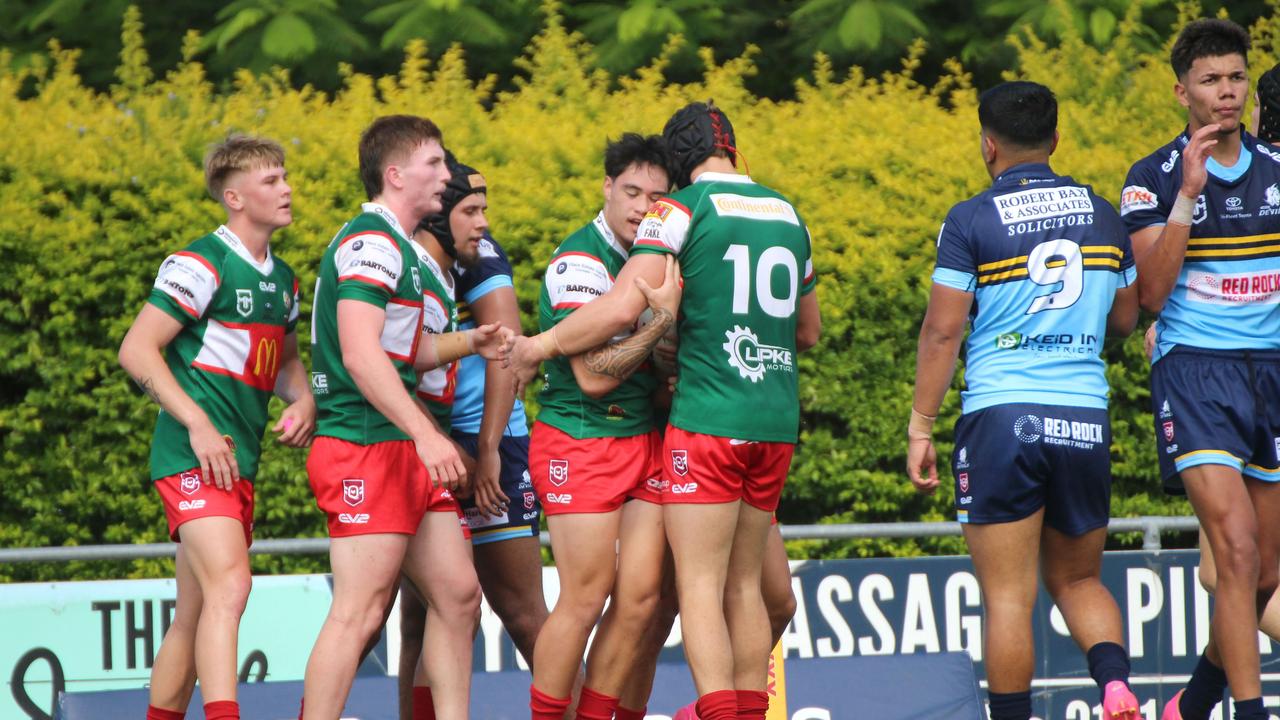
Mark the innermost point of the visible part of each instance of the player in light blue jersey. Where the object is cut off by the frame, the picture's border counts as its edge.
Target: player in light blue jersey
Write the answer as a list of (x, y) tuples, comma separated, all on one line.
[(1204, 215), (1042, 268)]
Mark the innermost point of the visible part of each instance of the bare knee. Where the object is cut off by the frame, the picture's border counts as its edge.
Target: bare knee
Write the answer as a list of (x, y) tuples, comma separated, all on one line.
[(583, 604), (228, 594), (1208, 574), (781, 608), (1237, 557)]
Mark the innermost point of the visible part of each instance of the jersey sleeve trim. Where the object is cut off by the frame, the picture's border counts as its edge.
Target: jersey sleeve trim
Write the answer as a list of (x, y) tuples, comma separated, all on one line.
[(217, 278), (370, 256), (495, 282), (187, 280), (956, 279), (664, 228)]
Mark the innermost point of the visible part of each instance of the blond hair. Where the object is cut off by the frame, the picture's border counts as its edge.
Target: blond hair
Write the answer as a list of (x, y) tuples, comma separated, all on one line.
[(238, 153)]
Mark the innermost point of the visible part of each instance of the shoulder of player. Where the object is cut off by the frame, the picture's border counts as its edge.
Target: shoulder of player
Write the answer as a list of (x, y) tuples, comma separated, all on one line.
[(207, 252), (1159, 163), (1265, 151)]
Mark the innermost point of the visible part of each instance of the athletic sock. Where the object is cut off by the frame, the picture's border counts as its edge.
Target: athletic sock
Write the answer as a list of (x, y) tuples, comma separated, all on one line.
[(1251, 709), (594, 705), (1108, 661), (423, 706), (302, 707), (1010, 706), (621, 713), (752, 704), (718, 705), (1204, 690), (544, 707), (155, 713), (222, 710)]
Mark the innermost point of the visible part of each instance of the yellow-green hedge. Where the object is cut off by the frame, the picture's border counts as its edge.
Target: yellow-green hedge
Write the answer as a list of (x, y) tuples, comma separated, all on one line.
[(96, 188)]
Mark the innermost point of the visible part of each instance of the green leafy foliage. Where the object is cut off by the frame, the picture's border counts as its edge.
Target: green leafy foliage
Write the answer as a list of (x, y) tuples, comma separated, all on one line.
[(104, 184)]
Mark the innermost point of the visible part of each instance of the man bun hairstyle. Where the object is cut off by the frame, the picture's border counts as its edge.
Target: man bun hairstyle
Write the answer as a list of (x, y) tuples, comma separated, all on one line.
[(694, 133), (391, 139), (238, 153), (1210, 37), (464, 180), (1269, 106), (635, 149), (1021, 113)]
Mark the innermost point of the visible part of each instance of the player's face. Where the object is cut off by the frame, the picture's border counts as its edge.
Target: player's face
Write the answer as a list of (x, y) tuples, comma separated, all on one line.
[(1214, 91), (467, 223), (263, 194), (628, 197), (422, 176)]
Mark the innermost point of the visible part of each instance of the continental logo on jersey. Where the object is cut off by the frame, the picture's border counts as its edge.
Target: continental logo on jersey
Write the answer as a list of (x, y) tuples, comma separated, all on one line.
[(1092, 257), (1260, 288), (1248, 247), (754, 208), (1136, 197), (1036, 204)]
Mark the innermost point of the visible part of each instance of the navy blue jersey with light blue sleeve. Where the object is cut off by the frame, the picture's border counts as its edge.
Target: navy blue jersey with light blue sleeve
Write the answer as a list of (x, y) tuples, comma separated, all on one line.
[(1227, 295), (1043, 256), (492, 273)]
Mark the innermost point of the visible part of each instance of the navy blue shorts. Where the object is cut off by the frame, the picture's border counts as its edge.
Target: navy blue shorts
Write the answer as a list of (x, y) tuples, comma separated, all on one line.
[(1011, 460), (1217, 407), (522, 516)]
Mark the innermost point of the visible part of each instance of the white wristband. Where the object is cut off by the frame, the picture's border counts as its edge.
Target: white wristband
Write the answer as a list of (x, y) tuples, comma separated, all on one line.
[(1183, 210)]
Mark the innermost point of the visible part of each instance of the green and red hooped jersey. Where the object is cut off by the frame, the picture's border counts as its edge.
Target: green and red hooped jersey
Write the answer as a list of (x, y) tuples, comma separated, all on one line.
[(581, 269), (746, 260), (235, 314), (370, 260), (437, 386)]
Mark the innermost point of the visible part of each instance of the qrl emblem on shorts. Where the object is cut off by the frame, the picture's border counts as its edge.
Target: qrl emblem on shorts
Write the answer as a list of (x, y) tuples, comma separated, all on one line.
[(190, 483), (680, 462), (1168, 431), (964, 482), (529, 500), (559, 470), (353, 491)]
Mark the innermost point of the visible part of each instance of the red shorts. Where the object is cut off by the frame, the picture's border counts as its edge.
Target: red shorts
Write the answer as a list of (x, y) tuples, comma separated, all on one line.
[(369, 489), (593, 475), (701, 468), (187, 497)]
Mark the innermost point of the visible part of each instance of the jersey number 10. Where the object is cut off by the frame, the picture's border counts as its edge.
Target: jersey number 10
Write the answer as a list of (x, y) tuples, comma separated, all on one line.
[(771, 258), (1057, 264)]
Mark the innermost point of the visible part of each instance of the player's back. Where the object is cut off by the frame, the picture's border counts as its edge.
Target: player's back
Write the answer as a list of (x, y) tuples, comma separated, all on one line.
[(1044, 257), (745, 260)]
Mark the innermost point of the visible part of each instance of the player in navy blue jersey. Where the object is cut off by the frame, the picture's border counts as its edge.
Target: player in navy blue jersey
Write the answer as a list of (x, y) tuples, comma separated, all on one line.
[(1204, 215), (1042, 269)]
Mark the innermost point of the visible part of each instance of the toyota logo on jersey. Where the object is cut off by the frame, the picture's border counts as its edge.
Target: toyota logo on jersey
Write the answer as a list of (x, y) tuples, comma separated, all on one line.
[(680, 462), (559, 470), (353, 491)]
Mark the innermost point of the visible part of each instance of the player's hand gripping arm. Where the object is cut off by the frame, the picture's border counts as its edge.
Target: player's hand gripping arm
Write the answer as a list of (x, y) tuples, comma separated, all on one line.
[(359, 327), (592, 324), (1159, 251), (297, 423), (940, 338), (601, 370), (142, 356), (496, 306), (486, 341)]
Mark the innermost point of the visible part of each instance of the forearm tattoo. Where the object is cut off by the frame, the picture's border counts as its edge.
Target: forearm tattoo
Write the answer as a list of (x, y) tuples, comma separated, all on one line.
[(148, 387), (620, 359)]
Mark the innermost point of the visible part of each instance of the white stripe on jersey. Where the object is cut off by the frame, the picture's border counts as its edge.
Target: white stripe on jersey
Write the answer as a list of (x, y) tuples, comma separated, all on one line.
[(371, 257), (575, 279), (665, 225), (401, 329), (224, 348), (189, 280)]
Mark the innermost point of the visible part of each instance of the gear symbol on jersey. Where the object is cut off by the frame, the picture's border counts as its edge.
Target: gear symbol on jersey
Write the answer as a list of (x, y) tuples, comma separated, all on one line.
[(749, 369)]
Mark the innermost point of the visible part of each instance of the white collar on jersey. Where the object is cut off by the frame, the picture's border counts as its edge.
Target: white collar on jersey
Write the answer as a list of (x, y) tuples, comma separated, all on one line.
[(237, 246), (724, 177), (606, 232), (385, 213), (446, 279)]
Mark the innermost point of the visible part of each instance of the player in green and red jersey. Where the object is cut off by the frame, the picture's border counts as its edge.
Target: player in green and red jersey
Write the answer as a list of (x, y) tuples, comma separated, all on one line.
[(214, 341), (739, 241), (381, 469), (595, 453)]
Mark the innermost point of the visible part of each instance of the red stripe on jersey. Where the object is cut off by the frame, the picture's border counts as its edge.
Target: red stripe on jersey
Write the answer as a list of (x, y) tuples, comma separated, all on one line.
[(653, 243), (417, 337), (563, 306), (201, 259), (575, 253), (428, 294), (362, 233), (676, 205), (189, 310), (368, 281)]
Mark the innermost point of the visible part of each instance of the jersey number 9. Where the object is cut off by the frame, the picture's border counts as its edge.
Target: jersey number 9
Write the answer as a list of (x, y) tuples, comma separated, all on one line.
[(1057, 264)]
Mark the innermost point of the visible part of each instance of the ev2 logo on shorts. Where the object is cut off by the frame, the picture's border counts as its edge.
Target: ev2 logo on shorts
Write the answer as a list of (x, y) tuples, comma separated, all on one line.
[(353, 491), (559, 472)]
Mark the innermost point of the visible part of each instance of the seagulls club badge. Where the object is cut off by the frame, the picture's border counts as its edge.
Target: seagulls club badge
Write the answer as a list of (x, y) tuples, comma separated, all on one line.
[(353, 491)]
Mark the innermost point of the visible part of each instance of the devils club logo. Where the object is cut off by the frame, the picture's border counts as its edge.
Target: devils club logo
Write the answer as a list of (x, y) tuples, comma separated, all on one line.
[(559, 470), (680, 462), (353, 491), (190, 482)]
